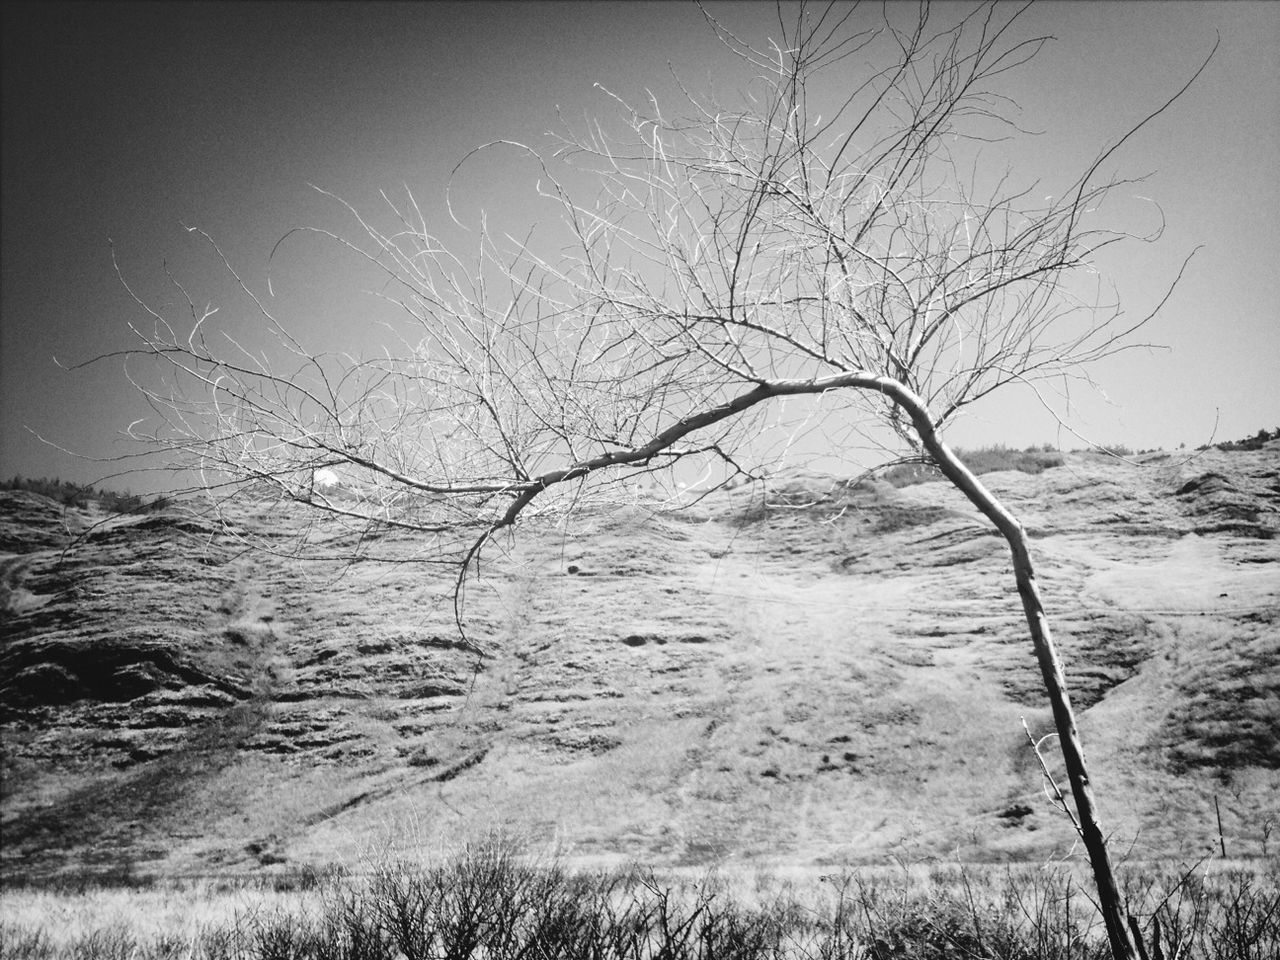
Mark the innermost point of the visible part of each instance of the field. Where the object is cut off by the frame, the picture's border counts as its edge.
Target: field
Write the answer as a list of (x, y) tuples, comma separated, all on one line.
[(490, 902)]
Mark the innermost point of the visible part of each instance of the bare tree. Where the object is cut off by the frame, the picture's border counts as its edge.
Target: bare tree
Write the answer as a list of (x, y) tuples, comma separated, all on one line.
[(832, 235)]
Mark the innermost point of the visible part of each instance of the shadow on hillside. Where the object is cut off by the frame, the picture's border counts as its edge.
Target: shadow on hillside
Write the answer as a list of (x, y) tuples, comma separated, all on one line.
[(121, 817)]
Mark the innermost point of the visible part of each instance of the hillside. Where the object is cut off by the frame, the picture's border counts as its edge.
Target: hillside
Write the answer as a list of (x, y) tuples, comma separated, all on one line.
[(834, 676)]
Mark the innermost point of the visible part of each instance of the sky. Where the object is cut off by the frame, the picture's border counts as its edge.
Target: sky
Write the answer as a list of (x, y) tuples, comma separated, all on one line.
[(123, 123)]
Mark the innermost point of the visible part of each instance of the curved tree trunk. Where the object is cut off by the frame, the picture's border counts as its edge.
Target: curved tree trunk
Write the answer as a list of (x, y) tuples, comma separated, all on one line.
[(1047, 655), (1050, 666)]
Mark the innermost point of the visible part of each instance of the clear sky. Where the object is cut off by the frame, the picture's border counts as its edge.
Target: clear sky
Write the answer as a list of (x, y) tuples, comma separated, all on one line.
[(127, 121)]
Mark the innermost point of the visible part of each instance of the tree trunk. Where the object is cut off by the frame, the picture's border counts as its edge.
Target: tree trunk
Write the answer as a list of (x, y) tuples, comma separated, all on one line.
[(1050, 665), (1072, 752)]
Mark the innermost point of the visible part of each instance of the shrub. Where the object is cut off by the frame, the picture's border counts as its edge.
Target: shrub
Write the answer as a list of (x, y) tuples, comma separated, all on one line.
[(72, 494), (490, 904), (1256, 442), (980, 461)]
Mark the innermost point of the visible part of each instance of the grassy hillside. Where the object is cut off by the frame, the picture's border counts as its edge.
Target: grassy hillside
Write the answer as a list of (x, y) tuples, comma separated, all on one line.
[(808, 676)]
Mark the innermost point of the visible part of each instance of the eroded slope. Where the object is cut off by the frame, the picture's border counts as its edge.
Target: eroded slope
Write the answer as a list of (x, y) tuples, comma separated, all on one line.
[(826, 674)]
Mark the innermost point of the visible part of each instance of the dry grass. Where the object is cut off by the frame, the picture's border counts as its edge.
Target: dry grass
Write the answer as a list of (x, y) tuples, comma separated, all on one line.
[(491, 903)]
